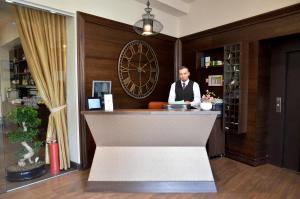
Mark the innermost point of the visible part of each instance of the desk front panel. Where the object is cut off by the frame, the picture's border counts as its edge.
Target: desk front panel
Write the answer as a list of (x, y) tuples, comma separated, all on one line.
[(150, 129)]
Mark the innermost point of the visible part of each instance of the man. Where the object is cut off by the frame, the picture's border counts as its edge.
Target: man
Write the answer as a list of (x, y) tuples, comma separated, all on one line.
[(185, 89)]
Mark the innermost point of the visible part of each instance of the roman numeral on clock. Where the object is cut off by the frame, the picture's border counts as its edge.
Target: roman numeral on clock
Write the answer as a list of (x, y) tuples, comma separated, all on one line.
[(132, 88), (152, 80), (140, 48), (140, 92), (131, 48), (124, 69), (127, 81)]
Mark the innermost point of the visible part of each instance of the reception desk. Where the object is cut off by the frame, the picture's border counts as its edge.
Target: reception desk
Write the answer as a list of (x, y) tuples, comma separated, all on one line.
[(151, 151)]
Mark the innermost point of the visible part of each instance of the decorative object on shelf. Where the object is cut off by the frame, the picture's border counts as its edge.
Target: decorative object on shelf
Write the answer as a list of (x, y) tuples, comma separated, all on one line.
[(208, 97), (138, 69), (148, 26), (28, 122), (207, 100), (207, 62), (215, 80)]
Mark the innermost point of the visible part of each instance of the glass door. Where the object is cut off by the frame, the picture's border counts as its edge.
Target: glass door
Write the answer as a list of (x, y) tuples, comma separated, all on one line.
[(21, 158), (2, 159)]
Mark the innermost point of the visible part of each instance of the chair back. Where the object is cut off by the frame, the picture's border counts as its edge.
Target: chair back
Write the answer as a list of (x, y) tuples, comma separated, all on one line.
[(156, 105)]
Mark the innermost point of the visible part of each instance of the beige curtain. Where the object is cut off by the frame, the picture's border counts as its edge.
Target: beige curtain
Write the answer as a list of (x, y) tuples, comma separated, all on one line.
[(43, 38)]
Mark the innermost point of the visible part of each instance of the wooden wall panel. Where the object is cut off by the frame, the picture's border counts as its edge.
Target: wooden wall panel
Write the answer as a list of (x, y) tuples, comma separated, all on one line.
[(249, 147), (100, 42)]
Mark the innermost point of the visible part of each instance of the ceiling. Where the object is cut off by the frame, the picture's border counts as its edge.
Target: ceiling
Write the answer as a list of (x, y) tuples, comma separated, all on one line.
[(188, 1), (173, 7)]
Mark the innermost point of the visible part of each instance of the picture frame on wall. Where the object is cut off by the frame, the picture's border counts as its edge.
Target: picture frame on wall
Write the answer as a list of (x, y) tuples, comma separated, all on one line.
[(215, 80), (100, 88)]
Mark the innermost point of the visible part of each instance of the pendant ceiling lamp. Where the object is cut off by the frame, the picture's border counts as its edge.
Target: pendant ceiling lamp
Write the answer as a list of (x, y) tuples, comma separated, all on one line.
[(147, 26)]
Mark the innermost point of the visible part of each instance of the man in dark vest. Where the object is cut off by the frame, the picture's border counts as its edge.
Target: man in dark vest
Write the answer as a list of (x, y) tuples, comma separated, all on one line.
[(185, 89)]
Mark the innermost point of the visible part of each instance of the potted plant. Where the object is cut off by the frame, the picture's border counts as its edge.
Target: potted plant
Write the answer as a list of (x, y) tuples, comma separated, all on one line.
[(28, 165)]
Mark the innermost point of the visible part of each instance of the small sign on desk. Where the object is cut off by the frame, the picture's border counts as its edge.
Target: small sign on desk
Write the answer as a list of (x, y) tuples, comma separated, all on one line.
[(108, 102)]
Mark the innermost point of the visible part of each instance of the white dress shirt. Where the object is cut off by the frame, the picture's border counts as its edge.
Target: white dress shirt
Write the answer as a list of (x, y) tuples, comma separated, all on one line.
[(196, 89)]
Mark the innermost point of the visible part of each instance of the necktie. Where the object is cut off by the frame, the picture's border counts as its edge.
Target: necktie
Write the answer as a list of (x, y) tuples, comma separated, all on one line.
[(183, 85)]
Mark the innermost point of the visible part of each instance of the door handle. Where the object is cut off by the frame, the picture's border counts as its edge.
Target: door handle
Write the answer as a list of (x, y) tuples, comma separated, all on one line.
[(278, 104)]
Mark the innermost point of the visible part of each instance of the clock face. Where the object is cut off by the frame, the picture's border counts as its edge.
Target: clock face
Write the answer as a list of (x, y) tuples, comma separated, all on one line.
[(138, 69)]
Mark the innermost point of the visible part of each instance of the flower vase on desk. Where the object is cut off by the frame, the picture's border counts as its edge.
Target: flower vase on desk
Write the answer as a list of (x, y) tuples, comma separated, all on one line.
[(206, 101), (206, 106)]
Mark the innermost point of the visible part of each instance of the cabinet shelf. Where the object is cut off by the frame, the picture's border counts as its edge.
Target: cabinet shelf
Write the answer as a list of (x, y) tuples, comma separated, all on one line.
[(212, 67), (26, 86), (215, 58), (19, 61), (22, 74)]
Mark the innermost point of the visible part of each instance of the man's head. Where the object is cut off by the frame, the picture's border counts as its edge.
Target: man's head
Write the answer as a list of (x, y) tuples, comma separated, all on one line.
[(184, 73)]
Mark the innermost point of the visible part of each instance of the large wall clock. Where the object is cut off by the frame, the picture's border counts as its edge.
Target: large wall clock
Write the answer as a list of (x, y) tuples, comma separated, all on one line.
[(138, 69)]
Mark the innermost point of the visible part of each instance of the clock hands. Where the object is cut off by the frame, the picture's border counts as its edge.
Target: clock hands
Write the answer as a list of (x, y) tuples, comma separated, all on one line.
[(139, 69)]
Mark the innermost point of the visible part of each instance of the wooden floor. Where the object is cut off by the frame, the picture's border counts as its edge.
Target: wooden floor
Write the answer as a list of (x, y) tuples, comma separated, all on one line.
[(234, 180)]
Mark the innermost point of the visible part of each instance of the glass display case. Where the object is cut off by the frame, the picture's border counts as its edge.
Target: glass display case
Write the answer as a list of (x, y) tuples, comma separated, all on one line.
[(231, 88)]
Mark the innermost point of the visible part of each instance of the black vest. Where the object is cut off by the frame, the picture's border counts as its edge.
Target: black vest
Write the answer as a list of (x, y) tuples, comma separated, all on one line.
[(187, 94)]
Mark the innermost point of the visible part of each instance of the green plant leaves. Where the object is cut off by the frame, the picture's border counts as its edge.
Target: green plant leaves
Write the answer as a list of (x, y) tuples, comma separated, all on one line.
[(28, 116)]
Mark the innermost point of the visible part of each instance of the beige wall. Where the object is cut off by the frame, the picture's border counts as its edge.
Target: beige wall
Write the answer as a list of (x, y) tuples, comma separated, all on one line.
[(213, 13), (126, 11)]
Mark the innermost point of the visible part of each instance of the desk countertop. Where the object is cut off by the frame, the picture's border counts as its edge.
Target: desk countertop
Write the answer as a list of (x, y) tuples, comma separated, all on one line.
[(153, 112)]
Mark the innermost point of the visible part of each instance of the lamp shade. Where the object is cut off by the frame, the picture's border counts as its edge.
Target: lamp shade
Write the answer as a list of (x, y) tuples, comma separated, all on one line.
[(148, 25)]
